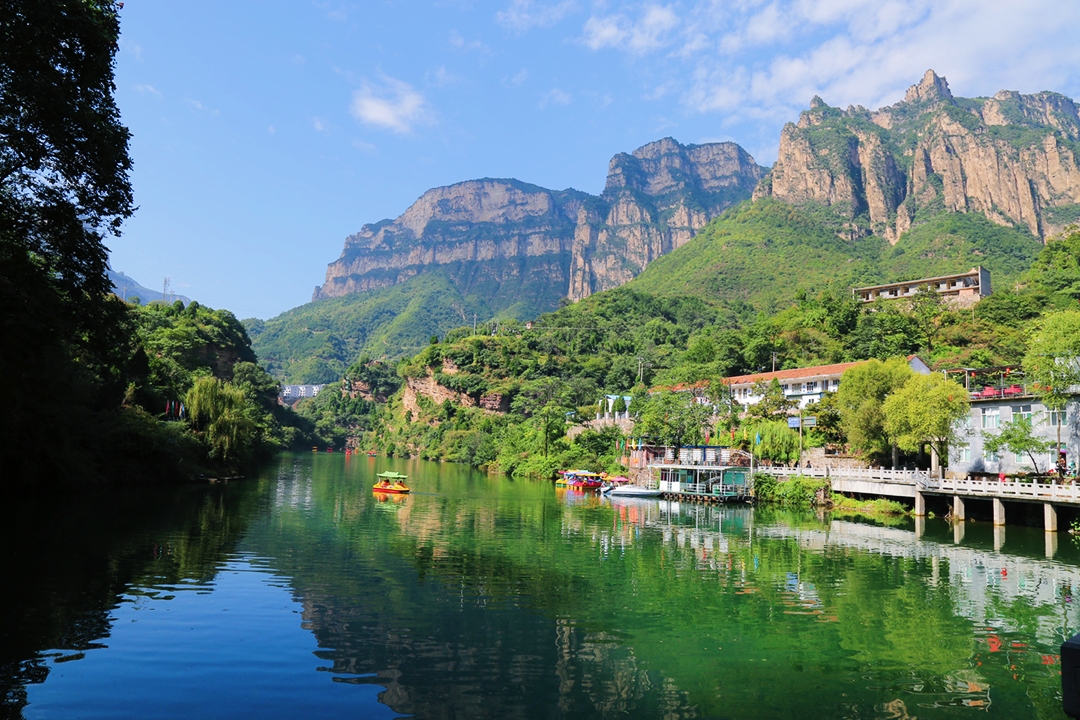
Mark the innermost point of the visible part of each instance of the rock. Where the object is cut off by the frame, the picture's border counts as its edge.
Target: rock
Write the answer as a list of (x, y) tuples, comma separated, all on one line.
[(495, 237), (957, 160)]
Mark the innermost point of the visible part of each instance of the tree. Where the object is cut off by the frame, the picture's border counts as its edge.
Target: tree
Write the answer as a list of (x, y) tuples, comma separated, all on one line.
[(674, 418), (773, 403), (773, 440), (1017, 436), (927, 409), (64, 187), (220, 413), (860, 402), (927, 309), (1052, 362)]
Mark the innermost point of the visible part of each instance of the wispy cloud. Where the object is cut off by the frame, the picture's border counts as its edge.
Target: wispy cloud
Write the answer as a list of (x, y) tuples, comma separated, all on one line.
[(763, 60), (147, 90), (441, 77), (392, 104), (555, 96), (517, 79), (196, 105), (318, 124), (526, 14), (652, 30), (459, 42)]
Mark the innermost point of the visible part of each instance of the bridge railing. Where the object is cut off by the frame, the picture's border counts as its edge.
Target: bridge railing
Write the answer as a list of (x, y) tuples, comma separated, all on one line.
[(996, 488), (906, 477)]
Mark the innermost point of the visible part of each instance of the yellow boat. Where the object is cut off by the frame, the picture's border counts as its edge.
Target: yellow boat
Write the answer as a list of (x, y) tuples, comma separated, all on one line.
[(391, 482)]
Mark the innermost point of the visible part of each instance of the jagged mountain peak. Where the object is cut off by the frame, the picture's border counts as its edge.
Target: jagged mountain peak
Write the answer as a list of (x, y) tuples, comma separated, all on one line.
[(932, 88), (1013, 158), (498, 236)]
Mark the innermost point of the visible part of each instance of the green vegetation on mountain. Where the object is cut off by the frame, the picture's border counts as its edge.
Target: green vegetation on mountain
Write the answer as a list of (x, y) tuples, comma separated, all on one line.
[(316, 342), (624, 341), (762, 254)]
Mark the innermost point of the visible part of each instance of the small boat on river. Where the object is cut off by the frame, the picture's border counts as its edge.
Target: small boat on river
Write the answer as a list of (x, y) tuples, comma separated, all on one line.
[(630, 491), (391, 482), (583, 479)]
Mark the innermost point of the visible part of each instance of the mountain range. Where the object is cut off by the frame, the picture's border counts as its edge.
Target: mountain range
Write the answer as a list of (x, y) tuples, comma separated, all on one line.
[(934, 183)]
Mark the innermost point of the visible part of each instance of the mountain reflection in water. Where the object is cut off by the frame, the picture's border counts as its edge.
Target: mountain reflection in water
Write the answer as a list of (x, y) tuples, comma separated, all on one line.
[(481, 597)]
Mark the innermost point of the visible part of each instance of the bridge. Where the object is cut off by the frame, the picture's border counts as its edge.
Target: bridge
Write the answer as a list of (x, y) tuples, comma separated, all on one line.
[(914, 486)]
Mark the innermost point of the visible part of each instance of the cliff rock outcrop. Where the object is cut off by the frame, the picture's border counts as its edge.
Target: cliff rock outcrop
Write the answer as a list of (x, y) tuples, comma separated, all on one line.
[(1012, 157), (515, 244), (654, 201)]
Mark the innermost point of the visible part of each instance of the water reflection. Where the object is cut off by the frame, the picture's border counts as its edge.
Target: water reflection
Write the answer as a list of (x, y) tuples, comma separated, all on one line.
[(477, 596)]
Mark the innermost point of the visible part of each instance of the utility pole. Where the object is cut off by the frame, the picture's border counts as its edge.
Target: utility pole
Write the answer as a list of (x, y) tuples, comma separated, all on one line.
[(774, 361), (165, 290)]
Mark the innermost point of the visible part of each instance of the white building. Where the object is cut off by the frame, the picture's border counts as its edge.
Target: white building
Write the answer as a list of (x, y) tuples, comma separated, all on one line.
[(803, 385)]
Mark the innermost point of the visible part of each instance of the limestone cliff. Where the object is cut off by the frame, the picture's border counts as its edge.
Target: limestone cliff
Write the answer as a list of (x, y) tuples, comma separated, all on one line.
[(1012, 157), (655, 200), (521, 248)]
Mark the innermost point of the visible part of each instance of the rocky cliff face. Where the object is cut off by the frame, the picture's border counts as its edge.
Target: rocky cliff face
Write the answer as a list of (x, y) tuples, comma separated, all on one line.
[(655, 200), (1012, 157), (491, 236), (521, 245)]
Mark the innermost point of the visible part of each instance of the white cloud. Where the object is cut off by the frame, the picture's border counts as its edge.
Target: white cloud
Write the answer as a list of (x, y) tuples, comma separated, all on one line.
[(555, 96), (318, 124), (441, 77), (456, 40), (763, 60), (517, 79), (526, 14), (651, 31), (270, 130), (394, 105), (147, 90)]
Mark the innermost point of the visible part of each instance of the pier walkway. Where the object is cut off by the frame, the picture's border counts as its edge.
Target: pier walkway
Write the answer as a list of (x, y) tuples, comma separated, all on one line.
[(912, 485)]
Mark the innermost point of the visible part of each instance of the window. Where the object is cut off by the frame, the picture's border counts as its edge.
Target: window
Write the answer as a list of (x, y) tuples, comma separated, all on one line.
[(811, 401), (1019, 458), (990, 417), (1059, 417), (991, 457), (835, 384), (963, 453), (811, 387), (1023, 411)]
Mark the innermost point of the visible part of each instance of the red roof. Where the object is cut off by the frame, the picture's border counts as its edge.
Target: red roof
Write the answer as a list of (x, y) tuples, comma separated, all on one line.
[(796, 374)]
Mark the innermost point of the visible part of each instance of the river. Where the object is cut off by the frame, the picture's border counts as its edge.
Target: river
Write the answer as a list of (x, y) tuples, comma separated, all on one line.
[(300, 594)]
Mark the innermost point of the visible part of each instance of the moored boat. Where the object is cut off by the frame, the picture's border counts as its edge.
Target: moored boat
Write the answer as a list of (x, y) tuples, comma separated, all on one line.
[(631, 491)]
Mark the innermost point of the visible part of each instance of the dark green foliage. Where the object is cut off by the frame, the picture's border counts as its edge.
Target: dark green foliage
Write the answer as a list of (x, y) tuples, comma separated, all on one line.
[(957, 242), (762, 253), (315, 343), (795, 491)]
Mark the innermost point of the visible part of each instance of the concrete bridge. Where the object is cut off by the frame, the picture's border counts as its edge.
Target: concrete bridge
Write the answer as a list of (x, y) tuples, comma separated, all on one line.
[(915, 485)]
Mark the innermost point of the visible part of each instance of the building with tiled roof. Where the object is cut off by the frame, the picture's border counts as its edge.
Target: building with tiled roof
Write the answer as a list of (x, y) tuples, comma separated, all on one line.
[(803, 385)]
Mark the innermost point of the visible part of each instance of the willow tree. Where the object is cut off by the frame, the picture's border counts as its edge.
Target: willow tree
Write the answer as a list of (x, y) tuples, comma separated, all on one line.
[(222, 417)]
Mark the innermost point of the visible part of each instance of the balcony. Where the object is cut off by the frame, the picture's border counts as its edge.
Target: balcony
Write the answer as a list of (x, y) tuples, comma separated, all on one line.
[(991, 392)]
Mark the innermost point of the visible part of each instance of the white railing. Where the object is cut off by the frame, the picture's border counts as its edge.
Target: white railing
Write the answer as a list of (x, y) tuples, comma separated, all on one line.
[(905, 477), (996, 488)]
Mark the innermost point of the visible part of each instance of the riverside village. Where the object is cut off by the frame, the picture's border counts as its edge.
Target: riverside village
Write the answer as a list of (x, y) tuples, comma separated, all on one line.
[(540, 360)]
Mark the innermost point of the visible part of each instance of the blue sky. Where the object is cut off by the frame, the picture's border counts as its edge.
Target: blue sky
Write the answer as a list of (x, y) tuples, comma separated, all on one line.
[(264, 132)]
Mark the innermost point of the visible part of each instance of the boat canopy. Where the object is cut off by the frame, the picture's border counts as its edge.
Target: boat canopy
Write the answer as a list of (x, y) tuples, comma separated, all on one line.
[(391, 475)]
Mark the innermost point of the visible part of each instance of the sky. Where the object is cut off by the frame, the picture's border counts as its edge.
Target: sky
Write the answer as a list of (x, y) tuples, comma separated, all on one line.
[(266, 131)]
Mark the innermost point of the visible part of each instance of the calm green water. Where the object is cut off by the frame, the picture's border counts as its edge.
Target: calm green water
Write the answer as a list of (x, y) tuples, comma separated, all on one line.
[(300, 594)]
